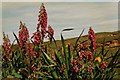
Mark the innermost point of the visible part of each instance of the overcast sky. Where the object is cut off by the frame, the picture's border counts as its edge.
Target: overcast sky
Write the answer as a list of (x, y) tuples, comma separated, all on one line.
[(59, 0), (102, 16)]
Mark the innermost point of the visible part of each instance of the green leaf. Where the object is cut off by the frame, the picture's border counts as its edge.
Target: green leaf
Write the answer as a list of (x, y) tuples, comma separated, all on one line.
[(69, 56), (68, 29), (49, 66), (32, 42), (66, 56), (48, 59), (78, 39), (57, 56), (40, 73), (16, 38), (43, 75), (16, 74), (69, 51), (112, 75), (45, 60), (13, 44), (53, 39), (55, 74), (117, 54), (106, 53), (103, 49)]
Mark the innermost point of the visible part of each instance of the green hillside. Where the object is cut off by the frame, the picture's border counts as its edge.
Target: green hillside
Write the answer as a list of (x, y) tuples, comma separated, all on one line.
[(101, 37)]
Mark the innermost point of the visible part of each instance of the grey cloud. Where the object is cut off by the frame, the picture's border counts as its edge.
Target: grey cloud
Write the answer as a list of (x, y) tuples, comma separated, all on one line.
[(62, 15)]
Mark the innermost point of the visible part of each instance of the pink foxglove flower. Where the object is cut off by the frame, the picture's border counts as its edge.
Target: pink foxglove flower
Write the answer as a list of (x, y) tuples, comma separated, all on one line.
[(75, 69), (23, 35), (74, 62), (91, 36), (51, 31), (42, 18), (37, 37), (30, 50), (82, 54), (6, 46), (103, 65), (90, 55)]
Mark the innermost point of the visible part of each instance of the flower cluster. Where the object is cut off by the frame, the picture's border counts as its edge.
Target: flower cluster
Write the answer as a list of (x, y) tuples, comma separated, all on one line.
[(90, 55), (103, 65), (30, 50), (62, 68), (91, 36), (83, 45), (37, 37), (82, 54), (42, 18), (23, 34), (51, 31), (75, 69), (6, 46)]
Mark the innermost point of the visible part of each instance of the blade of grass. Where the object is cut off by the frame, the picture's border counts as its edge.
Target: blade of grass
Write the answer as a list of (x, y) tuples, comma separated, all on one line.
[(66, 56), (16, 38), (53, 39), (78, 39), (106, 53), (49, 60), (114, 57), (68, 29), (57, 56), (69, 58)]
